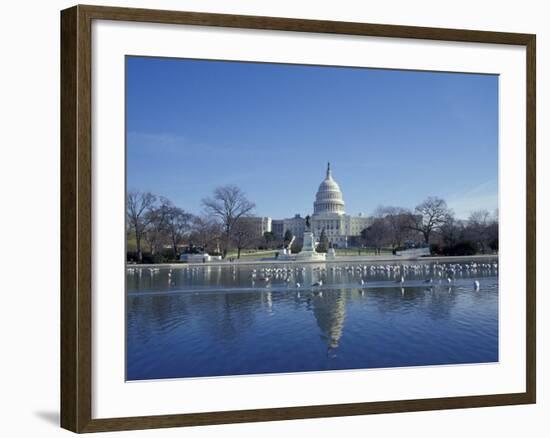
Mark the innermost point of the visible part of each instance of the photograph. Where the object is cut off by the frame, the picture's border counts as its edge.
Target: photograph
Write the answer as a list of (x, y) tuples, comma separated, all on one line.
[(289, 218), (274, 219)]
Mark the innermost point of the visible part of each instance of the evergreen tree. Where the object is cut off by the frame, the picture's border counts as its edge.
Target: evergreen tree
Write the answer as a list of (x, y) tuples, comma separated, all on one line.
[(323, 242)]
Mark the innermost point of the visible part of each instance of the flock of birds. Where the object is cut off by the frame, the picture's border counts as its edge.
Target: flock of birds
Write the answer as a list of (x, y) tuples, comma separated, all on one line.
[(436, 273)]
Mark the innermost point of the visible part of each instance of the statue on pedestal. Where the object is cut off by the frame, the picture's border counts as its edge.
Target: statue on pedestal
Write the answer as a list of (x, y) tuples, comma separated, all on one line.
[(308, 251)]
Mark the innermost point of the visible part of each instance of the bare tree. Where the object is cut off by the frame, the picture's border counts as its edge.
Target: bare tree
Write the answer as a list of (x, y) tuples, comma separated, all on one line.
[(493, 232), (478, 228), (205, 233), (429, 216), (228, 204), (156, 229), (452, 231), (374, 234), (138, 205), (178, 226), (397, 224), (243, 236)]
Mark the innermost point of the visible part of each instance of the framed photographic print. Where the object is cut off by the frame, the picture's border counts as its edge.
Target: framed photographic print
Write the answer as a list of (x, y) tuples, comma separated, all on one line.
[(270, 218)]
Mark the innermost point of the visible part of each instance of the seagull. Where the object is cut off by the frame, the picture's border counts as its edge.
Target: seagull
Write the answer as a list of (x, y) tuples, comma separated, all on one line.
[(476, 285), (428, 281), (319, 283), (402, 280)]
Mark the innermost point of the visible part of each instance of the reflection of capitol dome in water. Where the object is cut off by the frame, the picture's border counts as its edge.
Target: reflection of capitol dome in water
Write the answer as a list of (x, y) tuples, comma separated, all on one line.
[(329, 197), (330, 313)]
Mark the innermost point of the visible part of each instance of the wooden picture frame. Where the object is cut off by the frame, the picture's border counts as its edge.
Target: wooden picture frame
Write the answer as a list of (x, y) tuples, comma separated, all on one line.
[(76, 217)]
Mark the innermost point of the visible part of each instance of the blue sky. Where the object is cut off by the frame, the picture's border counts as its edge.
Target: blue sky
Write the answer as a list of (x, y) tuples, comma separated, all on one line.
[(393, 137)]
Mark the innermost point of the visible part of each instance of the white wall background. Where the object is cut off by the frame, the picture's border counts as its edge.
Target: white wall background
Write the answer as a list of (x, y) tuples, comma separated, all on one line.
[(29, 218)]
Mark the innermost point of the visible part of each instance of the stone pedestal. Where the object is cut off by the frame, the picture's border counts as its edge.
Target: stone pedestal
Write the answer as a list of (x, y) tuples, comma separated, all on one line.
[(308, 249), (309, 242)]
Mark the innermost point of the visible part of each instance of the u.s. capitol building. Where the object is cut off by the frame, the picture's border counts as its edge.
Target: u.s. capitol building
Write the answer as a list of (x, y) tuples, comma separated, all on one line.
[(328, 214)]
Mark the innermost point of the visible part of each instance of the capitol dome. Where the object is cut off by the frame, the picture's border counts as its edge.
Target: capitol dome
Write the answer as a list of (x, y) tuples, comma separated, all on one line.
[(329, 196)]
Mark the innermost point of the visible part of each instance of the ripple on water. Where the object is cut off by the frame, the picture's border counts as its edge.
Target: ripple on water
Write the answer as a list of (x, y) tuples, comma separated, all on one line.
[(209, 323)]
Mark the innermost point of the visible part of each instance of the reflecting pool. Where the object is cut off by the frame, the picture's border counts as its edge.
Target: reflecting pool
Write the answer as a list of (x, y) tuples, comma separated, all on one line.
[(205, 320)]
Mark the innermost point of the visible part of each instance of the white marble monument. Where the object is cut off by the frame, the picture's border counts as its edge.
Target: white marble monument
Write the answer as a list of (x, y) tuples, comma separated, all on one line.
[(286, 252), (331, 253)]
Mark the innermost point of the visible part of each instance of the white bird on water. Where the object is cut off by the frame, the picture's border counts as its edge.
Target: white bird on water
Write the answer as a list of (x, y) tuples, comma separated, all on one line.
[(319, 283), (476, 285)]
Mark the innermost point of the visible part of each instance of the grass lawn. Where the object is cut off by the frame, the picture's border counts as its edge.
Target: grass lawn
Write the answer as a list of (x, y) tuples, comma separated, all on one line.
[(255, 254), (342, 252), (354, 251)]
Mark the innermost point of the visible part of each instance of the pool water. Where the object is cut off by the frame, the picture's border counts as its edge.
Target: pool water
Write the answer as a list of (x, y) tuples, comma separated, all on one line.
[(197, 321)]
